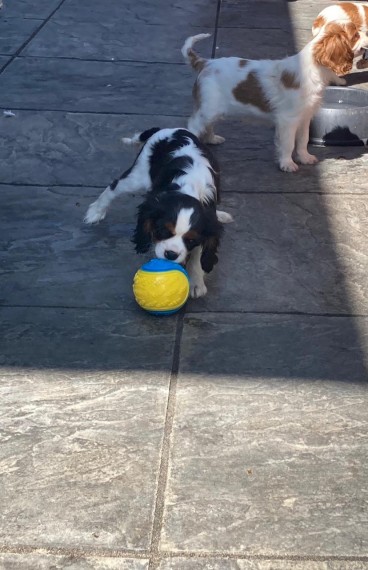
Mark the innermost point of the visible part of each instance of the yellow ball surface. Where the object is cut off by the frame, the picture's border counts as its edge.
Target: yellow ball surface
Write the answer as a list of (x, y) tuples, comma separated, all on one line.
[(161, 287)]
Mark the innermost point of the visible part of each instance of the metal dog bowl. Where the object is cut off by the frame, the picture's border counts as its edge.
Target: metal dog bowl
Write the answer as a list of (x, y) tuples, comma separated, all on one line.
[(342, 119)]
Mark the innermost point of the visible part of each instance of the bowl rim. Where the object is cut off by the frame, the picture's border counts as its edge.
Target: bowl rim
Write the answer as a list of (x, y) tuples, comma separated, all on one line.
[(325, 105)]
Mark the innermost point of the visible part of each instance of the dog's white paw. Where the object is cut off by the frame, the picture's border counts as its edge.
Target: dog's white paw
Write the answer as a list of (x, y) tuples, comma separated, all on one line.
[(306, 158), (288, 166), (339, 81), (197, 289), (94, 214), (214, 139), (224, 217)]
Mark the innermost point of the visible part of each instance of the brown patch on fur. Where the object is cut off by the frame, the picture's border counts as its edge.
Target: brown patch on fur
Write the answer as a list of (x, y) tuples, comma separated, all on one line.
[(353, 34), (249, 92), (289, 80), (365, 8), (196, 95), (334, 49), (318, 23), (197, 62), (148, 226), (192, 234), (170, 227), (353, 13), (243, 62)]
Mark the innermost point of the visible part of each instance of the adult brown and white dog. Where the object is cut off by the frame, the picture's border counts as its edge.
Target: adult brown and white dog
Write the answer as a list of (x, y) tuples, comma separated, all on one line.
[(179, 215), (287, 91), (345, 13)]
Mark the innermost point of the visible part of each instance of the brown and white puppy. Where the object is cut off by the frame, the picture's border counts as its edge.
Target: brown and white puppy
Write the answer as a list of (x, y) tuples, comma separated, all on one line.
[(344, 13), (287, 91)]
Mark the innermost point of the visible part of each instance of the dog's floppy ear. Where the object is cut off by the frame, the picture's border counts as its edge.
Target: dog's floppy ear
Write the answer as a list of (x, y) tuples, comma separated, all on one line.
[(212, 235), (143, 233), (333, 50)]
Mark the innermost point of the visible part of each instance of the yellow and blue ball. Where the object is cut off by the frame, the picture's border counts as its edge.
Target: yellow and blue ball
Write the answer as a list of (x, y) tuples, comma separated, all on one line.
[(161, 287)]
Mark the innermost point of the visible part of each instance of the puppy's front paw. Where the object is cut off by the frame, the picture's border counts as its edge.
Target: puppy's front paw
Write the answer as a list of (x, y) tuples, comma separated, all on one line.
[(306, 158), (94, 214), (288, 166), (197, 289), (339, 81)]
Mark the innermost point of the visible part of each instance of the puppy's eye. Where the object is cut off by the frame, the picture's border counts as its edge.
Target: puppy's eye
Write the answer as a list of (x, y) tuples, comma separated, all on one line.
[(163, 233), (191, 243)]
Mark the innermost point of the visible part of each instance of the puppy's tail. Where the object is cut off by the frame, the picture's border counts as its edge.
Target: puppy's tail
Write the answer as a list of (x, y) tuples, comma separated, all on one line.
[(190, 56), (140, 138)]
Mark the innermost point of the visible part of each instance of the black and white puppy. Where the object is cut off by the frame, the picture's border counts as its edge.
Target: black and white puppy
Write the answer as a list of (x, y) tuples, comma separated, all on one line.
[(179, 215)]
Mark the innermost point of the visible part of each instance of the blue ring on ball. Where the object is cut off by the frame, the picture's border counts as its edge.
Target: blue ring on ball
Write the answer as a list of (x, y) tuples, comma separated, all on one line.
[(163, 265)]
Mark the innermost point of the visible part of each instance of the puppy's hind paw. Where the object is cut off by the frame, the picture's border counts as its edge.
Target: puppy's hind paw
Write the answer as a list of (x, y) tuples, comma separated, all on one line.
[(214, 139), (224, 217), (307, 158)]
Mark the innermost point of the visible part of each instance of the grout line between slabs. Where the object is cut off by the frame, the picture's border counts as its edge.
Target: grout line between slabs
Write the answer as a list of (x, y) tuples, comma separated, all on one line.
[(187, 554), (193, 312), (225, 192), (164, 468), (82, 112), (218, 11), (99, 60), (74, 552), (24, 44), (224, 555)]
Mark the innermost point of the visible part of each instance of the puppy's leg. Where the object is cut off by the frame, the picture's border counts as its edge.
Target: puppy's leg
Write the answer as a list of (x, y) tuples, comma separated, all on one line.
[(209, 136), (201, 125), (335, 79), (302, 138), (196, 274), (132, 180), (285, 142)]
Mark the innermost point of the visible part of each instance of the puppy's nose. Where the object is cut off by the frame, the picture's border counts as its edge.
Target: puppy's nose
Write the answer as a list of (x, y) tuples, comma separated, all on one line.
[(171, 255)]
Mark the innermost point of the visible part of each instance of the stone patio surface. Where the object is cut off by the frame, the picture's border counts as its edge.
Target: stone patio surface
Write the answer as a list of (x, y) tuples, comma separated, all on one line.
[(232, 436)]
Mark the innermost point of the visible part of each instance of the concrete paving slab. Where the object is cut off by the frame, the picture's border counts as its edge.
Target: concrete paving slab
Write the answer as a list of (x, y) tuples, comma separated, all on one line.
[(78, 390), (291, 253), (302, 15), (49, 562), (258, 15), (56, 260), (192, 13), (73, 85), (269, 449), (67, 148), (28, 8), (340, 171), (3, 61), (113, 40), (245, 43), (247, 160), (50, 258), (71, 148), (14, 32), (239, 564)]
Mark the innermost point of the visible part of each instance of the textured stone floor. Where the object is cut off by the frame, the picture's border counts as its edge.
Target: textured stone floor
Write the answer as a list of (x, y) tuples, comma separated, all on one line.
[(232, 436)]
